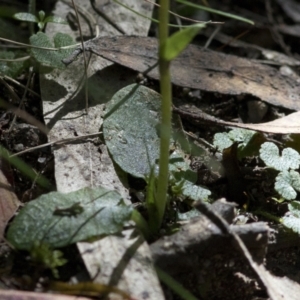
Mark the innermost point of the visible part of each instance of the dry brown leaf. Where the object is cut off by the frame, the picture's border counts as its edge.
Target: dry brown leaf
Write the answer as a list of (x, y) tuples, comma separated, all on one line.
[(291, 9), (9, 203), (286, 125), (270, 55), (279, 288), (23, 295), (200, 68)]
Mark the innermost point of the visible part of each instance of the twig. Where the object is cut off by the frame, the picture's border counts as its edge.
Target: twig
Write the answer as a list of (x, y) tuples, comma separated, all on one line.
[(60, 142), (224, 227), (23, 98), (21, 113), (106, 18), (21, 85)]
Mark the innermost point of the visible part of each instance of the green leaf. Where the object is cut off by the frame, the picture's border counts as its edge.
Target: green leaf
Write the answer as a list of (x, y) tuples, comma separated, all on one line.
[(182, 179), (10, 68), (248, 141), (41, 16), (176, 43), (130, 129), (188, 215), (177, 162), (49, 57), (240, 135), (292, 220), (23, 167), (287, 183), (294, 208), (54, 218), (222, 141), (41, 25), (41, 253), (55, 19), (24, 16), (195, 192), (269, 153)]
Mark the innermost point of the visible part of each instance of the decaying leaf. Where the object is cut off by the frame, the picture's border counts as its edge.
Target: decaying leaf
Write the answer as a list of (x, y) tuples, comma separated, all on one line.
[(24, 295), (200, 68), (285, 125), (9, 203)]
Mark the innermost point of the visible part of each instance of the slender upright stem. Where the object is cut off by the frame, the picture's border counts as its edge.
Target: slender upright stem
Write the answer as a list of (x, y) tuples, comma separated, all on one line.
[(165, 89), (32, 10)]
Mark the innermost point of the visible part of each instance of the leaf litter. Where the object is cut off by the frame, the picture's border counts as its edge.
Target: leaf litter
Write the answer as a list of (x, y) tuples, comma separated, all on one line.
[(64, 212), (209, 71), (200, 68)]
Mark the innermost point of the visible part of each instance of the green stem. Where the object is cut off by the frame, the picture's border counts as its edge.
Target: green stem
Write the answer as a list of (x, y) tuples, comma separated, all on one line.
[(174, 285), (165, 88), (32, 10), (141, 224), (267, 215)]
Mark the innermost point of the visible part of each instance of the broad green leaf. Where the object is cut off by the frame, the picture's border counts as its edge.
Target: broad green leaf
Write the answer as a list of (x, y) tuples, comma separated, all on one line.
[(195, 192), (23, 16), (269, 153), (10, 68), (287, 183), (51, 58), (248, 141), (130, 129), (240, 135), (60, 219), (294, 208), (178, 41), (55, 19), (41, 15), (292, 220), (222, 141), (177, 162)]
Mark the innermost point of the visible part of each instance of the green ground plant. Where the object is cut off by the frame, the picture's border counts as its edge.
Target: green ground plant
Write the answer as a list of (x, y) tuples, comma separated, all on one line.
[(173, 178)]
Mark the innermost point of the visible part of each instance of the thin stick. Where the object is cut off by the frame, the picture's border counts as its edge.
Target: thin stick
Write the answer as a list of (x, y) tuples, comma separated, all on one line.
[(23, 98), (106, 18), (36, 47), (182, 17), (21, 113), (21, 85), (84, 58), (16, 59), (59, 142)]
